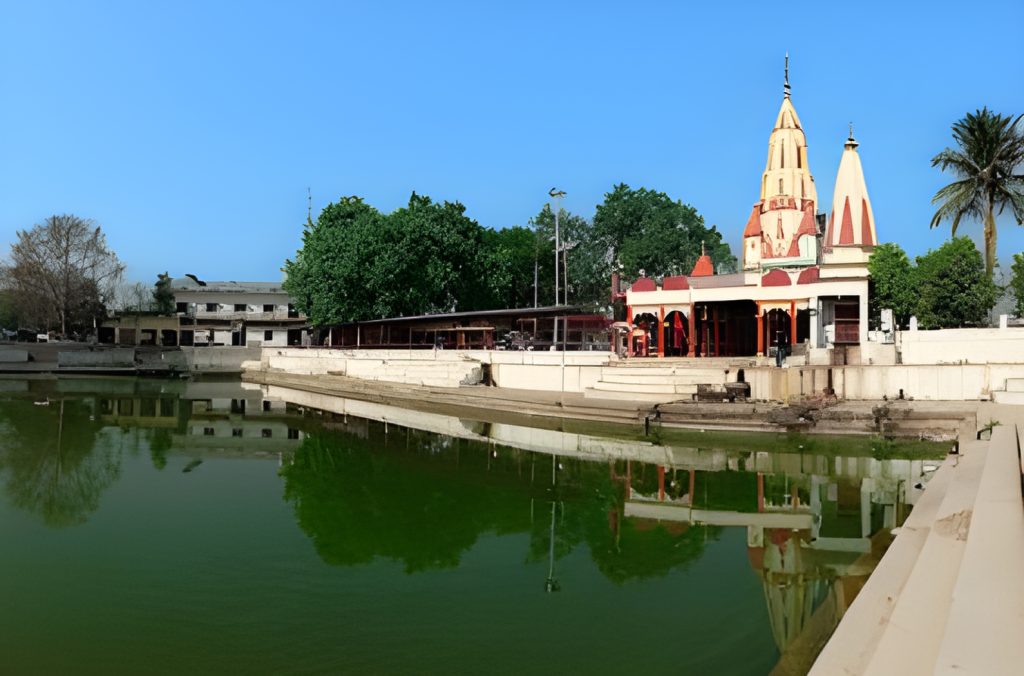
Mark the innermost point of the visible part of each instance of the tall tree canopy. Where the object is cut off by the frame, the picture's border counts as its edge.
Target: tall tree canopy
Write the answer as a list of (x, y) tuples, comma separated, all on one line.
[(952, 286), (989, 165), (357, 264), (62, 273), (647, 230), (891, 284)]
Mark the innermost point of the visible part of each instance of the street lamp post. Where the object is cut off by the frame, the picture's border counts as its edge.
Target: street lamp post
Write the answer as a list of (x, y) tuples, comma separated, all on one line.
[(557, 195)]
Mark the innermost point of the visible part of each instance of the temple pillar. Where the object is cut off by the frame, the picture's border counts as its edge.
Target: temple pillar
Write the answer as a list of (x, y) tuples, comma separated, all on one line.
[(661, 483), (718, 346), (792, 323), (692, 335), (814, 320), (760, 331), (693, 484), (661, 331)]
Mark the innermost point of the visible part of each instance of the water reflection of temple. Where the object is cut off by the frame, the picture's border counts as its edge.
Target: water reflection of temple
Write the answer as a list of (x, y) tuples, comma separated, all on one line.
[(816, 519), (815, 529)]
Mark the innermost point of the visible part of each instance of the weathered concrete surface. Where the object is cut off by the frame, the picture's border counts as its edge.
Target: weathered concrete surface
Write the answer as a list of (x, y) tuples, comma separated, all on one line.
[(13, 355)]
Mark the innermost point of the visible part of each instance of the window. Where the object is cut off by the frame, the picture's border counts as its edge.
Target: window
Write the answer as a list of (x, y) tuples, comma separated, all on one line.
[(293, 433), (266, 433), (266, 405), (268, 335), (181, 307), (268, 307), (212, 307), (292, 312), (780, 186), (236, 432), (240, 307), (207, 431)]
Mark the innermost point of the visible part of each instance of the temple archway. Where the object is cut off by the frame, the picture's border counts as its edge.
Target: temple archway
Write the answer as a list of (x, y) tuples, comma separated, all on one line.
[(674, 334)]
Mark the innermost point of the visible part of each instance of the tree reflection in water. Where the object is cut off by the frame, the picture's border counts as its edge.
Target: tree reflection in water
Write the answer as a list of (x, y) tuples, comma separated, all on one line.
[(424, 499), (51, 462)]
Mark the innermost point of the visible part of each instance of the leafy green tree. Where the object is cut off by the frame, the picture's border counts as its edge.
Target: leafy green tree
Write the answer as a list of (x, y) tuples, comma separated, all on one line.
[(647, 230), (953, 286), (891, 284), (988, 165), (163, 297), (329, 274), (356, 263), (1017, 283), (508, 257), (587, 264)]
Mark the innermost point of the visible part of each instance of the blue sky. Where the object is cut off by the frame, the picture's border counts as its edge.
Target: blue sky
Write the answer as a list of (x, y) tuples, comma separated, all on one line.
[(191, 130)]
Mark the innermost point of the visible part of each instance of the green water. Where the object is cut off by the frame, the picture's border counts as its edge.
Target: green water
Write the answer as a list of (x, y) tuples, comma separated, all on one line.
[(311, 542)]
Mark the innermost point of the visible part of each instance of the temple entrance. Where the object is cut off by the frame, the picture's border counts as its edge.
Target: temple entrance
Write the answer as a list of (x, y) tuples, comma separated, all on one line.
[(777, 330), (647, 343), (674, 334), (726, 329)]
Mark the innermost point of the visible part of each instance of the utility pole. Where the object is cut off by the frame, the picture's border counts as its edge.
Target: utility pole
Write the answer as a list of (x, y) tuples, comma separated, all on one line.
[(557, 196)]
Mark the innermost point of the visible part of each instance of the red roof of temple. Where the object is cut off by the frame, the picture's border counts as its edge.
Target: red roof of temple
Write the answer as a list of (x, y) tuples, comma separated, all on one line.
[(704, 267), (644, 284), (678, 283), (776, 278), (808, 275)]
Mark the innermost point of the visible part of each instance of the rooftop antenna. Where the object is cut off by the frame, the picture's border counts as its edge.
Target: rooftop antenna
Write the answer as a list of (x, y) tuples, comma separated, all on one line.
[(309, 207), (785, 87)]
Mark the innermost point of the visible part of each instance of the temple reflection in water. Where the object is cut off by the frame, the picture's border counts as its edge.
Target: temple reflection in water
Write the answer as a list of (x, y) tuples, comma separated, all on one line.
[(373, 482)]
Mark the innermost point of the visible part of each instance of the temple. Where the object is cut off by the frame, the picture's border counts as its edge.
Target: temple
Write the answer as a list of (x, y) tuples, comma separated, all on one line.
[(803, 280)]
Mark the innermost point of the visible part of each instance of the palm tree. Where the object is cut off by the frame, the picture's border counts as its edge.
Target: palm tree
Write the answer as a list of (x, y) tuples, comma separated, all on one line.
[(990, 149)]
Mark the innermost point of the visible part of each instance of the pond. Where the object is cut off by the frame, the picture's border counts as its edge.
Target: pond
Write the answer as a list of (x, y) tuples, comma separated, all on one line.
[(211, 527)]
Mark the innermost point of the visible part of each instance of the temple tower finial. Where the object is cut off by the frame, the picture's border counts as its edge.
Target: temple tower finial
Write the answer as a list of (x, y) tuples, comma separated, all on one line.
[(785, 87)]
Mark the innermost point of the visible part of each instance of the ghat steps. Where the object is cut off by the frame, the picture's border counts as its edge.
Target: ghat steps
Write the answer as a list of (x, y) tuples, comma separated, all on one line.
[(661, 381), (1013, 394)]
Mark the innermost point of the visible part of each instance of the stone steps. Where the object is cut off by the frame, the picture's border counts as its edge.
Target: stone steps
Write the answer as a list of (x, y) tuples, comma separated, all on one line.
[(662, 378), (914, 633)]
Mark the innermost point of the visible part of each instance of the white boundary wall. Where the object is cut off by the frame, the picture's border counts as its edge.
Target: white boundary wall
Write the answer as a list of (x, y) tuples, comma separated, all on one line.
[(962, 346)]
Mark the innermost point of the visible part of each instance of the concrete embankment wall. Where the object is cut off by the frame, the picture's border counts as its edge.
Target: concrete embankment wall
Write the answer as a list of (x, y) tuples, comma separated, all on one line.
[(551, 371), (934, 382), (581, 371)]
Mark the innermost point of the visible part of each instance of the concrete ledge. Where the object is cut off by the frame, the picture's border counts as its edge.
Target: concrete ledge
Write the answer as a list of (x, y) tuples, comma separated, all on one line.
[(983, 633)]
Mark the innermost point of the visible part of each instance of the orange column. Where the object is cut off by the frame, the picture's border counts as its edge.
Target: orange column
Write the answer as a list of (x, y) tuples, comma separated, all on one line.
[(692, 336), (661, 331), (661, 483), (792, 323), (760, 331)]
